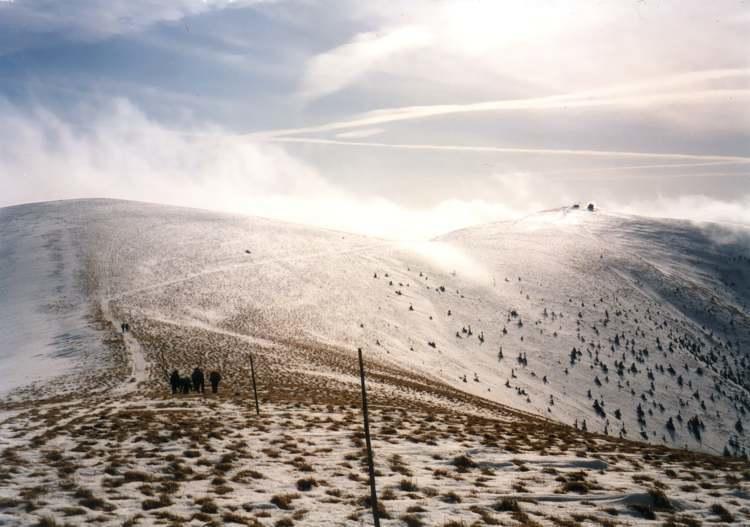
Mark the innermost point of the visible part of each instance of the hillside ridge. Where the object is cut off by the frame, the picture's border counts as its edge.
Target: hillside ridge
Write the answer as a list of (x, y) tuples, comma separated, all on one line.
[(521, 373)]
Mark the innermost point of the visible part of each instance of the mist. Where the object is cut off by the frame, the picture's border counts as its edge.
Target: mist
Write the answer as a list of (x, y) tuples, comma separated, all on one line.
[(114, 150)]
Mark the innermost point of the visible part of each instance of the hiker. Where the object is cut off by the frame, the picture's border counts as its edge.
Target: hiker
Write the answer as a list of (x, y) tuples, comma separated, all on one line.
[(199, 381), (185, 384), (214, 378), (174, 380)]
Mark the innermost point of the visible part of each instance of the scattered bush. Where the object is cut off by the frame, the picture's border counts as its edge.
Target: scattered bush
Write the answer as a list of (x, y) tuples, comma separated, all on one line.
[(46, 521), (407, 485), (87, 499), (284, 501), (721, 511), (306, 484), (151, 504), (659, 500), (463, 463), (412, 520), (579, 487), (507, 505), (451, 497)]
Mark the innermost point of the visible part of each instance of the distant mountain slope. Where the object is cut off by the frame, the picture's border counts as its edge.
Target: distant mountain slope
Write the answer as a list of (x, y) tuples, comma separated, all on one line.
[(655, 309), (618, 322)]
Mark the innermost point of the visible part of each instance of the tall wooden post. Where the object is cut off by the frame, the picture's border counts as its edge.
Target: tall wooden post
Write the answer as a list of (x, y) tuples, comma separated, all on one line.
[(255, 391), (370, 465)]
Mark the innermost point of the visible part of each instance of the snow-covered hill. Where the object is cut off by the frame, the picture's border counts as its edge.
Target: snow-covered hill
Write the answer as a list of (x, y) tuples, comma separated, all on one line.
[(623, 323), (655, 311)]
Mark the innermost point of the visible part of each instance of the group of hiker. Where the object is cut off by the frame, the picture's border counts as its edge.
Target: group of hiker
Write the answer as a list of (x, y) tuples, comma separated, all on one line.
[(196, 382)]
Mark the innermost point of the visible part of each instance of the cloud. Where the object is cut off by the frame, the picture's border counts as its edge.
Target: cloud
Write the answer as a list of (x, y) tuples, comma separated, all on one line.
[(645, 93), (339, 67), (120, 153), (604, 175), (514, 150), (361, 133), (562, 47), (641, 167), (466, 100), (448, 259), (30, 23), (693, 207)]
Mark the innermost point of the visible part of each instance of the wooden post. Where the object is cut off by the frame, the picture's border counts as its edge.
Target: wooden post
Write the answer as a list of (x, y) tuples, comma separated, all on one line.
[(255, 391), (370, 465)]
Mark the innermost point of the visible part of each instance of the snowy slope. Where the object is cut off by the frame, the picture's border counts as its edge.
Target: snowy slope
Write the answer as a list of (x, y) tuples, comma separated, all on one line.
[(674, 294), (176, 272), (44, 326)]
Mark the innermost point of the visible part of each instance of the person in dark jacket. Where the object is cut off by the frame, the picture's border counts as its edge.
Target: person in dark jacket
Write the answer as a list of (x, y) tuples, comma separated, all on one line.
[(214, 378), (185, 385), (199, 381), (174, 380)]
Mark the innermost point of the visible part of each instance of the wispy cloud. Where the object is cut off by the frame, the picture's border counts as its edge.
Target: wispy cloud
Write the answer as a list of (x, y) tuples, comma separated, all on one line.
[(515, 150), (693, 207), (123, 154), (357, 134), (604, 176), (647, 167), (338, 67), (633, 94)]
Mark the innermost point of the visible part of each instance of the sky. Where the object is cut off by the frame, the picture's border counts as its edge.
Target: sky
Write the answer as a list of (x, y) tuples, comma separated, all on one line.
[(394, 119)]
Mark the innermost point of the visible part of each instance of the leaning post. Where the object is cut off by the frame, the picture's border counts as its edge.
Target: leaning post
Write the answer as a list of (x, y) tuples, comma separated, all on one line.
[(370, 465), (255, 391)]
